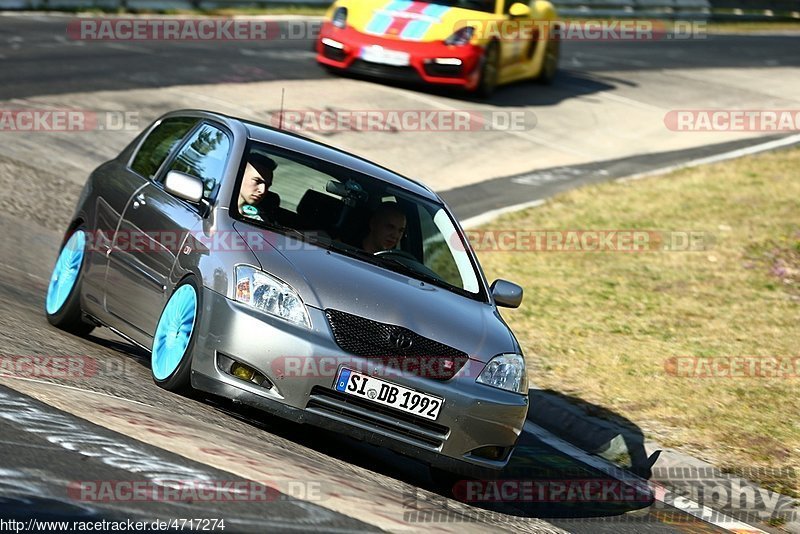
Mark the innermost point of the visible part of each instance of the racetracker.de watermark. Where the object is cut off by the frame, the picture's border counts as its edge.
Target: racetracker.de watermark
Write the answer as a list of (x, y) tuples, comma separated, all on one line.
[(63, 366), (596, 30), (177, 29), (669, 493), (550, 491), (432, 366), (507, 240), (733, 120), (192, 491), (772, 367), (621, 240), (403, 120), (67, 120)]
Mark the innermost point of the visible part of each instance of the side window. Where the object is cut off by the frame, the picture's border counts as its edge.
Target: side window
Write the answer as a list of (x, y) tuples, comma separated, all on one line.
[(435, 252), (159, 143), (204, 156)]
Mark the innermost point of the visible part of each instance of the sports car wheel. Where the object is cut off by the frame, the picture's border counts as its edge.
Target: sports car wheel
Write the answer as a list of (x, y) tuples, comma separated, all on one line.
[(489, 71), (550, 62), (63, 302), (173, 343)]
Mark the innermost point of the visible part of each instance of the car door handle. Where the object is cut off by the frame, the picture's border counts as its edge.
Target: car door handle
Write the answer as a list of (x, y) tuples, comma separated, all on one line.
[(139, 201)]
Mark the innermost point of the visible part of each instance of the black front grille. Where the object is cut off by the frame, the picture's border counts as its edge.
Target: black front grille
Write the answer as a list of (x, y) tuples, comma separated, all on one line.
[(336, 54), (408, 74), (395, 346), (443, 71)]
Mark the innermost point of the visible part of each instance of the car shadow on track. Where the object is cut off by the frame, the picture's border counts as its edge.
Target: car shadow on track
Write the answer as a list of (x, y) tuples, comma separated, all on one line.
[(539, 482), (568, 84)]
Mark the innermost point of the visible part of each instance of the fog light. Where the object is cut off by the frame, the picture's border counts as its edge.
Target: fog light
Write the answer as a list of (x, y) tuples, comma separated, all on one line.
[(231, 367), (333, 44), (447, 61), (491, 452), (242, 372)]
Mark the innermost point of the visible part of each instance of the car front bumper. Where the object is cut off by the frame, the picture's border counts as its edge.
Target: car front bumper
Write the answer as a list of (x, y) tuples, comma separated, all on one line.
[(472, 417), (429, 62)]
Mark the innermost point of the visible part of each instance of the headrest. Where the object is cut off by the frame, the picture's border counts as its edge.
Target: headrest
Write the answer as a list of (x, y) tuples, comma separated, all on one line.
[(318, 210)]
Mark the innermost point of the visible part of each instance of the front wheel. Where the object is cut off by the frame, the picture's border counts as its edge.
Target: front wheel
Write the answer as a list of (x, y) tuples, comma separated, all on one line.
[(173, 342), (490, 69), (63, 301)]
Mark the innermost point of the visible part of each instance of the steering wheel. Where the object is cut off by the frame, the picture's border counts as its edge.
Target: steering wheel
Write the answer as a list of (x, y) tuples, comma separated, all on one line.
[(397, 252)]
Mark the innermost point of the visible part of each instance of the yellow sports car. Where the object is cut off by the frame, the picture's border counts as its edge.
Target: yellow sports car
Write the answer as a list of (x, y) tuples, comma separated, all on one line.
[(474, 44)]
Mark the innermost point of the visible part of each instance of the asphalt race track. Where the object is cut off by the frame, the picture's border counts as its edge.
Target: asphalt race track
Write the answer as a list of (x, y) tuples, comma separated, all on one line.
[(46, 61), (110, 422)]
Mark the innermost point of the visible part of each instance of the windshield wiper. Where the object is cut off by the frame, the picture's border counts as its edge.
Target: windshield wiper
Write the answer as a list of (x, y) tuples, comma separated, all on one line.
[(287, 230), (409, 270)]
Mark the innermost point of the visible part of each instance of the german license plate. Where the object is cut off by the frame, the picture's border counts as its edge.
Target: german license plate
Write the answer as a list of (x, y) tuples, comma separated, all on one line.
[(379, 54), (388, 394)]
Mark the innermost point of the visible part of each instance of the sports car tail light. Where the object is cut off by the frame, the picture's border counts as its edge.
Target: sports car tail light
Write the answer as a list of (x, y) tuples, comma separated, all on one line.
[(340, 17), (460, 37)]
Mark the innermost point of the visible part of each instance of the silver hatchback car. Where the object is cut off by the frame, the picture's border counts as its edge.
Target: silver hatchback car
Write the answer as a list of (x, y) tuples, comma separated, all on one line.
[(264, 267)]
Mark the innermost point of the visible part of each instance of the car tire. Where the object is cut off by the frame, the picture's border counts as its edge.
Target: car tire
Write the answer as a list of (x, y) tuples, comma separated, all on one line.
[(490, 70), (550, 62), (62, 304), (174, 338)]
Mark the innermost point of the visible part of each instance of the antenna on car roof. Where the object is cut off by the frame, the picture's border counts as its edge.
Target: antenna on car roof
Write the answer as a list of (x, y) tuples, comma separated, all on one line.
[(280, 117)]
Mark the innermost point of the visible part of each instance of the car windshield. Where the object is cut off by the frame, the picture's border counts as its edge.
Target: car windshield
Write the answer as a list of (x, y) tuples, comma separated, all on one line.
[(476, 5), (354, 214)]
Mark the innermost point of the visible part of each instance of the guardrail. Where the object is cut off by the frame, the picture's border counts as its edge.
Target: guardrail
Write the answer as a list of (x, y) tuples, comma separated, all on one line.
[(662, 9), (683, 9), (635, 8)]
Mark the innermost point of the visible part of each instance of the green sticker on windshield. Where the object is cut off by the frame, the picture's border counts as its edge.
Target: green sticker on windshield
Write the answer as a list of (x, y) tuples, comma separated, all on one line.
[(247, 209)]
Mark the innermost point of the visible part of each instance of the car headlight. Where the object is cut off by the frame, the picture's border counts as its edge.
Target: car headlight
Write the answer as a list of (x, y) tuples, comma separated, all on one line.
[(461, 36), (270, 295), (340, 17), (506, 371)]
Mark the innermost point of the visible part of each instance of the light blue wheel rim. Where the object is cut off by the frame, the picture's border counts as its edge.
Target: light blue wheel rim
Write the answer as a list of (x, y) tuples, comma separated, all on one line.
[(174, 331), (65, 273)]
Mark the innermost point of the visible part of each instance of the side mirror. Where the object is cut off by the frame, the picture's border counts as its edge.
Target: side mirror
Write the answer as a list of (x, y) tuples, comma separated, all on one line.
[(184, 186), (518, 10), (506, 294)]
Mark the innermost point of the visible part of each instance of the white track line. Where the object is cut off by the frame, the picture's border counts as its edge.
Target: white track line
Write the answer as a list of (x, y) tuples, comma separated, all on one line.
[(493, 214), (747, 151)]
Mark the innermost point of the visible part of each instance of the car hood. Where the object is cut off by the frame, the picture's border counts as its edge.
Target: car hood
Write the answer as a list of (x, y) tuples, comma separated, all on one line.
[(328, 280), (408, 21)]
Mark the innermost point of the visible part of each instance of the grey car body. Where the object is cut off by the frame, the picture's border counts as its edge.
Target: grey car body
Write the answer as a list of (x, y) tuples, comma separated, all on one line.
[(126, 290)]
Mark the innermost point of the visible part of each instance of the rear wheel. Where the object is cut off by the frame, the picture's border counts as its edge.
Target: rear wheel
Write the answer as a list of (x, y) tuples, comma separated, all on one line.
[(490, 70), (550, 62), (63, 301), (173, 342)]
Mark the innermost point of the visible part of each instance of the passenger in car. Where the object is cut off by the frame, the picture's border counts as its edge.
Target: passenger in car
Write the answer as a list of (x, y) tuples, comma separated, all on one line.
[(386, 227), (257, 180)]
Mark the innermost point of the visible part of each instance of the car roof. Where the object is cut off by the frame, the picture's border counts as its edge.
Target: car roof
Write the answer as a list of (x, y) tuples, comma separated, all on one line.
[(298, 143)]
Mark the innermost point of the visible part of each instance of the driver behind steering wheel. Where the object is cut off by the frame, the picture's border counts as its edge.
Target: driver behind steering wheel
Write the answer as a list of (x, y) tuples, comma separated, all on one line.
[(386, 227)]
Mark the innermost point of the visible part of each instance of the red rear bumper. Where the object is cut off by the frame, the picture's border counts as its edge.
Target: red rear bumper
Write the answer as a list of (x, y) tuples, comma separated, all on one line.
[(422, 67)]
